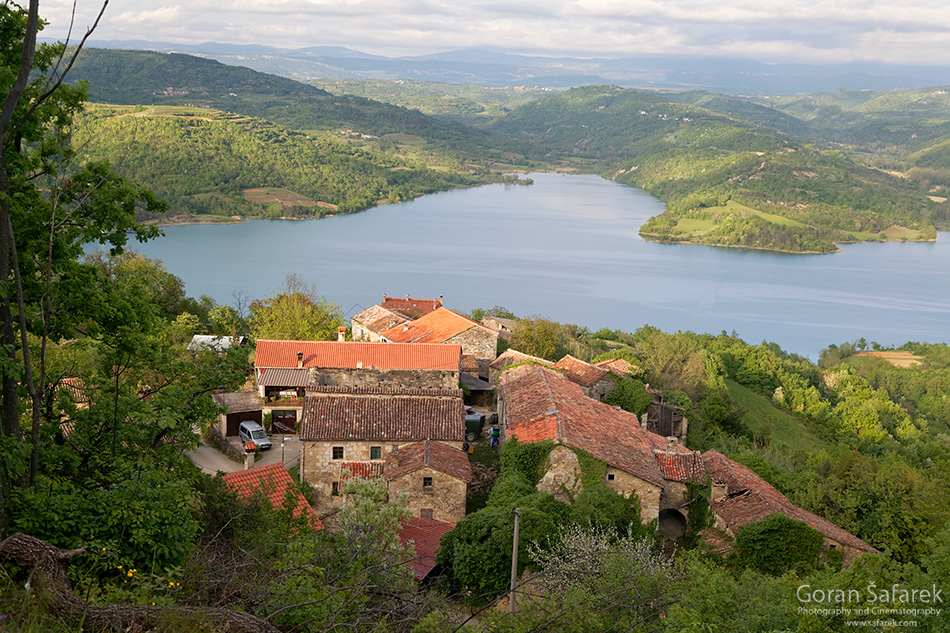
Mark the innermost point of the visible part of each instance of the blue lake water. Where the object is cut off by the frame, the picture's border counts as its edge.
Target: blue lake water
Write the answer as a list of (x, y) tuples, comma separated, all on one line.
[(567, 248)]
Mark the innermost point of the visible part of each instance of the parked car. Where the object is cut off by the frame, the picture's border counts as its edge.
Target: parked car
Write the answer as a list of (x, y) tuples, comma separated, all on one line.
[(254, 432), (474, 423)]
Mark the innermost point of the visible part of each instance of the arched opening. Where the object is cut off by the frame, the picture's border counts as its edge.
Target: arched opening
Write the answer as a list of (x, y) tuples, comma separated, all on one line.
[(671, 525)]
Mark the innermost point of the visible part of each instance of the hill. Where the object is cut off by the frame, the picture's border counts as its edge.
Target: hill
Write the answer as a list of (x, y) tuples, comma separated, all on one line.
[(726, 181)]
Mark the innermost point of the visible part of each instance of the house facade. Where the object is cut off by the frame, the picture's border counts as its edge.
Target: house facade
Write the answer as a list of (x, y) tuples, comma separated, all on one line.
[(434, 477), (350, 431)]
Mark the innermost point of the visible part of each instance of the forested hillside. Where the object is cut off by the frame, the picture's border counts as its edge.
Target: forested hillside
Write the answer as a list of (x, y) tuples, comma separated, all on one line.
[(726, 181), (205, 161)]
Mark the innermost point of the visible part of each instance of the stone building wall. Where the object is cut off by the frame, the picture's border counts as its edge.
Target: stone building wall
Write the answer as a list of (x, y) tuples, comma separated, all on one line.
[(562, 475), (320, 470), (373, 377), (360, 333), (600, 388), (445, 498), (648, 493), (673, 496), (481, 343)]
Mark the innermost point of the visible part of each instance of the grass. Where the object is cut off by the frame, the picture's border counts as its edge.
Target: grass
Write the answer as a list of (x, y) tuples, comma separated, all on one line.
[(788, 433)]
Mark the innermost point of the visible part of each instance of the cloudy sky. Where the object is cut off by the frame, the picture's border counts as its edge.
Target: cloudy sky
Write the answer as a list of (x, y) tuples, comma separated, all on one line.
[(916, 31)]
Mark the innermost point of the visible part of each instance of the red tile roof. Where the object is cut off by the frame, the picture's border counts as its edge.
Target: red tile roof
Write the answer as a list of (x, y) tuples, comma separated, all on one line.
[(541, 404), (76, 388), (682, 465), (352, 355), (435, 455), (434, 327), (514, 357), (618, 366), (411, 308), (366, 470), (581, 372), (274, 482), (750, 499), (469, 364), (377, 318), (382, 414), (424, 534)]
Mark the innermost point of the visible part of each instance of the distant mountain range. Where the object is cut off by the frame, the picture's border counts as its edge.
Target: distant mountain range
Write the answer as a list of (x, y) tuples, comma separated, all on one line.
[(492, 68)]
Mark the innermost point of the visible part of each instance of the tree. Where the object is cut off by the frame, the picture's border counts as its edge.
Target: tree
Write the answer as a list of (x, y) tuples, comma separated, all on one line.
[(296, 312), (48, 209), (539, 337)]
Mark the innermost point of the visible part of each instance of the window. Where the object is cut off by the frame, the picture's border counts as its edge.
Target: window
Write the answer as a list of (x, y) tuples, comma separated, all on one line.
[(427, 483), (375, 452), (425, 513), (335, 488), (337, 452), (610, 476)]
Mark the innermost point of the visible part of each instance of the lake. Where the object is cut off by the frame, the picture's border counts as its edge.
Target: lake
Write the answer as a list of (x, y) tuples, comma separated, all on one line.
[(567, 248)]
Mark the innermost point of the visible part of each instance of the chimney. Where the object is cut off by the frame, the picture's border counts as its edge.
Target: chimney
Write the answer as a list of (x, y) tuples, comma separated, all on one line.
[(299, 360), (671, 444), (341, 333), (384, 297), (440, 300), (359, 364), (405, 328)]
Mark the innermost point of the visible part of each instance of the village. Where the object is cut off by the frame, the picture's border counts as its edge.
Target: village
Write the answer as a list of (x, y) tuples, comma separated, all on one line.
[(418, 386)]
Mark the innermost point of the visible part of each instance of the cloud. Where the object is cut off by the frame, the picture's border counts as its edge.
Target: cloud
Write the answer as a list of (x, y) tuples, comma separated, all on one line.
[(814, 30)]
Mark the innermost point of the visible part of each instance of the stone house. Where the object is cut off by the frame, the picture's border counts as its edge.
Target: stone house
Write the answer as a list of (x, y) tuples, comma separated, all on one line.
[(510, 358), (283, 369), (349, 431), (409, 307), (444, 326), (538, 403), (367, 325), (435, 476), (741, 497), (595, 381)]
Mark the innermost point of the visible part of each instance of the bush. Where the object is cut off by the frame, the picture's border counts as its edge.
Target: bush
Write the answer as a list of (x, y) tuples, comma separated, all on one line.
[(778, 544)]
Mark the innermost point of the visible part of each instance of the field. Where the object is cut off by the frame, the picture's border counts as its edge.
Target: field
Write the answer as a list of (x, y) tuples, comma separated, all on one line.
[(786, 432), (285, 197), (896, 358)]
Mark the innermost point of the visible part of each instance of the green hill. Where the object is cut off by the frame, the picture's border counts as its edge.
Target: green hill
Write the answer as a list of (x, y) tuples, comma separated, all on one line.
[(726, 181)]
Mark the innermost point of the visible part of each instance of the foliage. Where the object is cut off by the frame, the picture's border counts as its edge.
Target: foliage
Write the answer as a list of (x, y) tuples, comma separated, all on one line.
[(629, 394), (539, 337), (777, 544), (296, 312)]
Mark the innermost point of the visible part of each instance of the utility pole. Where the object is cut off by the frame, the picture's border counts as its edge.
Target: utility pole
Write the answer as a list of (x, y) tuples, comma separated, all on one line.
[(514, 562)]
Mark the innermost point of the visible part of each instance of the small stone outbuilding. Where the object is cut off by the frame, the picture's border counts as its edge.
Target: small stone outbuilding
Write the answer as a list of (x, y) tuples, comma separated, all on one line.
[(434, 476)]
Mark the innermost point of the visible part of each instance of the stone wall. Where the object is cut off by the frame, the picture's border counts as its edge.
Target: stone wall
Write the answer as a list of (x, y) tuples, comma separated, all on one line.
[(673, 496), (562, 475), (648, 493), (445, 498), (481, 343), (320, 470), (600, 388), (360, 333), (373, 377)]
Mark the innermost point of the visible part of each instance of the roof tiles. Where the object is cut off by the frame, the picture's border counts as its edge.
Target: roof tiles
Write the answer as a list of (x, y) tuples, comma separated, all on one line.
[(355, 355), (377, 318), (424, 534), (581, 372), (435, 455), (383, 414), (277, 486), (435, 327)]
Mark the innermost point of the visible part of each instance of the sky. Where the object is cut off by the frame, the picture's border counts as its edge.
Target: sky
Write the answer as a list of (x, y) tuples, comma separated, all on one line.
[(829, 31)]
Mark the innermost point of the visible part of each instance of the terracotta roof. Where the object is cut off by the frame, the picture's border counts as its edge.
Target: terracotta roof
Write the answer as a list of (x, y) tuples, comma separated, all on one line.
[(434, 327), (541, 404), (238, 401), (274, 482), (581, 372), (352, 355), (382, 414), (283, 377), (411, 308), (435, 455), (469, 363), (76, 388), (366, 470), (618, 366), (424, 534), (514, 357), (681, 465), (377, 318), (750, 499)]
